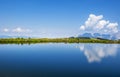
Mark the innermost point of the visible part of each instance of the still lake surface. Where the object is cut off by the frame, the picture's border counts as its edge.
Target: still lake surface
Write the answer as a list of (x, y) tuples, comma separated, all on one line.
[(60, 60)]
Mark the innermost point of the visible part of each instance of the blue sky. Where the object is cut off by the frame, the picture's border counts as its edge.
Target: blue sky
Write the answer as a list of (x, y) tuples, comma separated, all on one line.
[(53, 18)]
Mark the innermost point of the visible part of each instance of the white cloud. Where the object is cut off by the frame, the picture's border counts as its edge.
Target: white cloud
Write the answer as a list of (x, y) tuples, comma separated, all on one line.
[(92, 20), (101, 24), (82, 27), (6, 30), (20, 30), (17, 30), (98, 24), (113, 27)]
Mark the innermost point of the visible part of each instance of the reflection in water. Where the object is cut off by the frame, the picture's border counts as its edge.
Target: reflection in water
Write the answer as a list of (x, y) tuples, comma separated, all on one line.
[(95, 52)]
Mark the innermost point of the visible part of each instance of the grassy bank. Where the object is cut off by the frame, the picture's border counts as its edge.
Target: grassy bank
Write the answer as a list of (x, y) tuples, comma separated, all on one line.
[(54, 40)]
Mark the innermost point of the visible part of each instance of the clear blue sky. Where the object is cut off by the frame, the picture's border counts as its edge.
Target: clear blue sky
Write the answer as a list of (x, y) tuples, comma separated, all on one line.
[(52, 18)]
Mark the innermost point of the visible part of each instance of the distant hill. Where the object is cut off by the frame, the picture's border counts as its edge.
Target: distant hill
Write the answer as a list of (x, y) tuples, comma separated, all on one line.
[(96, 35), (86, 35), (116, 36)]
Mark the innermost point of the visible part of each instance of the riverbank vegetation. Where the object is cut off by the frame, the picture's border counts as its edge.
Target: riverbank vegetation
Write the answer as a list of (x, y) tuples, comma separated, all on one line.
[(55, 40)]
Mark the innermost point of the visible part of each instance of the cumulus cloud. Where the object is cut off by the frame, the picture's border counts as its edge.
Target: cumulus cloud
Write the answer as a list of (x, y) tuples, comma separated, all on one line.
[(98, 24)]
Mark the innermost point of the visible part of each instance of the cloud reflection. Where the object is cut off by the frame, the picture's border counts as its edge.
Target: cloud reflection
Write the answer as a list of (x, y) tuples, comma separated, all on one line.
[(96, 52)]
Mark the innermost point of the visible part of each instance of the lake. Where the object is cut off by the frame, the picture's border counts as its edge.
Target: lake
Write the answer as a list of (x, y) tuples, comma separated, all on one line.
[(60, 60)]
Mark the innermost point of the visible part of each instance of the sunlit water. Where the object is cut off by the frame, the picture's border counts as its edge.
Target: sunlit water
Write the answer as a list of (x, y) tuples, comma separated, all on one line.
[(60, 60)]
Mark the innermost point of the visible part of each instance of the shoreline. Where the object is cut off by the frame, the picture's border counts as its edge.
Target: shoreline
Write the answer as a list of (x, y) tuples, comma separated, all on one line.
[(55, 40)]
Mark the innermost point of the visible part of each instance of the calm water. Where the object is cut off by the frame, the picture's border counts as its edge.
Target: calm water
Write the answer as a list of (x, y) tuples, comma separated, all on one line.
[(60, 60)]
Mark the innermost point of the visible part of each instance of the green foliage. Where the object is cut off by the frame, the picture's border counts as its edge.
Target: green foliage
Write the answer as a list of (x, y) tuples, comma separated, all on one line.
[(54, 40)]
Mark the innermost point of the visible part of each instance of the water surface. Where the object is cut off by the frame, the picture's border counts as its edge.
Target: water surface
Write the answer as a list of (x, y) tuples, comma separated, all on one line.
[(60, 60)]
